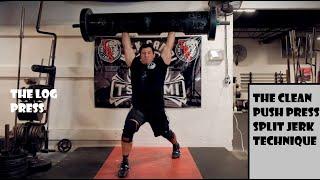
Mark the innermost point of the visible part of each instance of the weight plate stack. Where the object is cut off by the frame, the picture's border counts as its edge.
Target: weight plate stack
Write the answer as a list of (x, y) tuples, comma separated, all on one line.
[(37, 164), (13, 166)]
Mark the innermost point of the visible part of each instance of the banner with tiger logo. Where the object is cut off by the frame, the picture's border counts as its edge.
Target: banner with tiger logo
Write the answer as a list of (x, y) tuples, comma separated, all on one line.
[(112, 83)]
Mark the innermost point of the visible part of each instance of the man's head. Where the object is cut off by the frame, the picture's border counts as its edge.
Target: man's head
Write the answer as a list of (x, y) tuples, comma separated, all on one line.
[(147, 53)]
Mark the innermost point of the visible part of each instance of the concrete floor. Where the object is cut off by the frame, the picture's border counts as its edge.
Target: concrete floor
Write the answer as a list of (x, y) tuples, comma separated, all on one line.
[(240, 128), (84, 162), (212, 162)]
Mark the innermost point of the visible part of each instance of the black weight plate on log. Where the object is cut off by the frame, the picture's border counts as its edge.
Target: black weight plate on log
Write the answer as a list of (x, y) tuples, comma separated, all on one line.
[(109, 24), (84, 14), (212, 24)]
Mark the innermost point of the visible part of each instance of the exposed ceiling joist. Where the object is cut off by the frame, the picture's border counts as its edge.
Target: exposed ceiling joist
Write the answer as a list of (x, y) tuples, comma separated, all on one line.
[(269, 25)]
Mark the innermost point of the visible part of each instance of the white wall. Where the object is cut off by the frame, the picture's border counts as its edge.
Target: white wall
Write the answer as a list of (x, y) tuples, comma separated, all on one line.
[(280, 5), (73, 114), (264, 58), (261, 58)]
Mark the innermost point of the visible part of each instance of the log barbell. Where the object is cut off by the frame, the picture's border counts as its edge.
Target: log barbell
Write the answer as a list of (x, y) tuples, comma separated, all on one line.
[(109, 24)]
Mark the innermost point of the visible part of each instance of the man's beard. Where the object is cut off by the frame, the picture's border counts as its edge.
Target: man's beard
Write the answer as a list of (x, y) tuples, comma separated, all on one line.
[(146, 61)]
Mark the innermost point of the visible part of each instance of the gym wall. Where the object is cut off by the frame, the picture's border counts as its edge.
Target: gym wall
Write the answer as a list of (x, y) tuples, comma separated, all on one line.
[(72, 114), (280, 5)]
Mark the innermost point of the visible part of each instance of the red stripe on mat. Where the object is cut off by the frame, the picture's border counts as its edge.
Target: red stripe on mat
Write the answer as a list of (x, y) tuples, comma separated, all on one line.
[(150, 163)]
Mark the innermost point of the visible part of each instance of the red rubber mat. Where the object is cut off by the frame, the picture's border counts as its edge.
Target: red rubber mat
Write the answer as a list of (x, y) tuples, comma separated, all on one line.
[(150, 163)]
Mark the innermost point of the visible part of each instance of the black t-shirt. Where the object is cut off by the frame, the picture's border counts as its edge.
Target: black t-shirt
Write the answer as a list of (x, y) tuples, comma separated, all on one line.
[(147, 84)]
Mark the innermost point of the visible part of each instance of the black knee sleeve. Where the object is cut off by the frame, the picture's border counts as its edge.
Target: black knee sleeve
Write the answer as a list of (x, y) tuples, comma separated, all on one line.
[(130, 127), (168, 135)]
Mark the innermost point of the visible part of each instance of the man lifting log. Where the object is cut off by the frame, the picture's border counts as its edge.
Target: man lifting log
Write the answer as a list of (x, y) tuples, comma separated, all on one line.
[(148, 73)]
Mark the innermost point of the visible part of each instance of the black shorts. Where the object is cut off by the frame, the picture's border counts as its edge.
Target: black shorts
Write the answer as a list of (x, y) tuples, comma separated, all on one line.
[(157, 119)]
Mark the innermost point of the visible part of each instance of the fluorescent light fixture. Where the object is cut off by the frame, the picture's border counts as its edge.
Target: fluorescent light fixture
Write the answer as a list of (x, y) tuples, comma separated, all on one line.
[(245, 10), (318, 38)]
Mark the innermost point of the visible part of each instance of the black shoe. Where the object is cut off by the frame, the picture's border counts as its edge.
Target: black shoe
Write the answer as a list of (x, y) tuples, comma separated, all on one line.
[(123, 171), (176, 151)]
